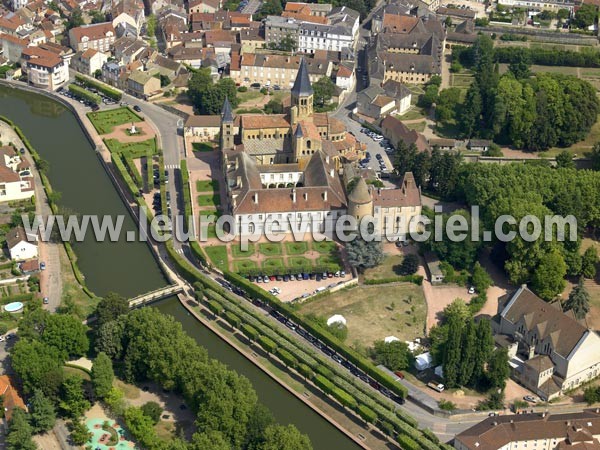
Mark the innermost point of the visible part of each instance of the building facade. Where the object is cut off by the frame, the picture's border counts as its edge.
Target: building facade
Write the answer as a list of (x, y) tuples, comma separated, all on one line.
[(99, 36), (44, 69)]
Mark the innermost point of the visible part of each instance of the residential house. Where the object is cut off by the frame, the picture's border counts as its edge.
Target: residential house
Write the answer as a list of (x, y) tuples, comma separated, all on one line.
[(18, 4), (99, 36), (127, 49), (44, 69), (143, 84), (443, 144), (12, 24), (21, 246), (205, 128), (397, 132), (191, 56), (164, 66), (29, 266), (204, 6), (479, 145), (10, 399), (128, 17), (12, 47), (344, 77), (436, 276), (555, 352), (89, 61), (114, 74), (464, 34), (251, 39), (539, 5), (544, 431), (376, 102)]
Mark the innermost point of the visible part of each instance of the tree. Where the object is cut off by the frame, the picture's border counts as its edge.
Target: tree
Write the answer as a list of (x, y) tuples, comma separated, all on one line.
[(410, 264), (72, 401), (520, 64), (549, 279), (152, 410), (151, 25), (67, 334), (578, 301), (273, 107), (111, 307), (562, 14), (286, 44), (564, 160), (271, 8), (498, 369), (79, 432), (37, 365), (210, 440), (20, 433), (260, 419), (208, 97), (75, 20), (452, 351), (41, 409), (481, 279), (323, 90), (591, 395), (97, 16), (393, 355), (468, 360), (109, 339), (102, 375), (589, 262), (364, 255), (585, 16), (285, 437)]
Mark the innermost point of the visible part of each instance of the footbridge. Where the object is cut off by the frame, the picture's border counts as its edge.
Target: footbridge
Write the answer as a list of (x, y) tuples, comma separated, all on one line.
[(156, 295)]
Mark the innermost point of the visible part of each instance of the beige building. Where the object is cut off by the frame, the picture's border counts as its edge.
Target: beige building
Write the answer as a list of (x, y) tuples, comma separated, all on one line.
[(44, 69), (204, 128), (535, 431), (143, 84), (99, 36), (16, 181), (12, 47), (553, 352), (89, 61)]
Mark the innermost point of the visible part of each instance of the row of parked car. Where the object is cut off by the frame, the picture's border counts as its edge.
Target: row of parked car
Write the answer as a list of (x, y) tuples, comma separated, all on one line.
[(85, 102), (324, 348), (296, 277)]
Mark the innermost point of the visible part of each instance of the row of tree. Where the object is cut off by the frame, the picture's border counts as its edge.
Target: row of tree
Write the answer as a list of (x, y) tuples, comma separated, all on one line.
[(208, 97)]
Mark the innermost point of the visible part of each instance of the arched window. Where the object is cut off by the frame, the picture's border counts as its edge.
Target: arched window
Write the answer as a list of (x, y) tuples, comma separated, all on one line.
[(308, 144)]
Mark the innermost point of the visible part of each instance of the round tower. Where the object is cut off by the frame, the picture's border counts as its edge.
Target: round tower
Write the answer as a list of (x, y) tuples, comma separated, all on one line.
[(360, 202)]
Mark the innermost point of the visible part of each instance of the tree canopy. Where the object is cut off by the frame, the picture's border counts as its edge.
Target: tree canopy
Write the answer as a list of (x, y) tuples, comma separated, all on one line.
[(208, 97)]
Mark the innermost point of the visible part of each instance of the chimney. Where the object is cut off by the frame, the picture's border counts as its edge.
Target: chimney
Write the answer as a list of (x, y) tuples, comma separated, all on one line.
[(255, 198), (294, 195)]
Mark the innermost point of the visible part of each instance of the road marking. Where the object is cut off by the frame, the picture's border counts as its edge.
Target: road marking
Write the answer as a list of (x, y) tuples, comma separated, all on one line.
[(172, 166), (180, 251)]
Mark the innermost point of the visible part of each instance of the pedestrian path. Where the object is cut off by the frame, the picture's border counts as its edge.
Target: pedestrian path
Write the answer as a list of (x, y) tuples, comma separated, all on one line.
[(172, 166)]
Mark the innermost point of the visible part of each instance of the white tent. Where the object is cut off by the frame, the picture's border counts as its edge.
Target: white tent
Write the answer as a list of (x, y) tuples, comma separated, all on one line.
[(389, 339), (439, 371), (423, 361), (336, 318)]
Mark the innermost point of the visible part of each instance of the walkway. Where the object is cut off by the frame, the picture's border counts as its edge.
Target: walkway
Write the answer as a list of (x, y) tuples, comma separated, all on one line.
[(49, 252)]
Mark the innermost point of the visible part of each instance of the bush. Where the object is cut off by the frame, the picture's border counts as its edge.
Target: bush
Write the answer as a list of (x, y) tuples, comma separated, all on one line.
[(446, 405), (232, 319), (250, 331), (407, 443), (152, 410), (367, 414), (344, 398), (288, 359), (215, 307), (416, 279), (410, 264), (324, 384), (242, 89), (267, 344), (84, 94), (306, 371), (106, 90)]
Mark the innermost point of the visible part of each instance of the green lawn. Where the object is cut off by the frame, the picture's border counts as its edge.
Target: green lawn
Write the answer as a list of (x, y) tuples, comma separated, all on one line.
[(389, 268), (202, 147), (135, 149), (239, 253), (418, 126), (243, 265), (209, 200), (299, 262), (207, 185), (326, 260), (218, 255), (105, 121), (209, 213), (324, 247), (296, 248), (250, 94), (413, 114), (273, 263), (270, 249)]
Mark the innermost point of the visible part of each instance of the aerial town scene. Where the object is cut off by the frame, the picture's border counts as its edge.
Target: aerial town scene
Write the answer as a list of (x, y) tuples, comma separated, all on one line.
[(281, 225)]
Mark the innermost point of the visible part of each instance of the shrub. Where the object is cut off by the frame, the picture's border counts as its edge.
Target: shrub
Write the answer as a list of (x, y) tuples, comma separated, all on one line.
[(306, 371), (215, 307), (267, 344), (446, 405), (407, 443), (106, 90), (84, 94), (250, 331), (344, 398), (232, 319), (242, 89), (324, 384), (287, 358), (152, 410), (367, 414)]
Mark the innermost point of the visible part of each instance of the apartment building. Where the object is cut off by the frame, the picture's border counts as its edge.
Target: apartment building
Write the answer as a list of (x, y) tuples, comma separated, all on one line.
[(99, 36), (44, 69)]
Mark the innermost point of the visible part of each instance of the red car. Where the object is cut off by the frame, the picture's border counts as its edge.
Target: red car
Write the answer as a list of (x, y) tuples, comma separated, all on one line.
[(399, 375)]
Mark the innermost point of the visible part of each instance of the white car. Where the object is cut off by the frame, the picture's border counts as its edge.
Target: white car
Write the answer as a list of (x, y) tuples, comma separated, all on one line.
[(275, 291), (471, 290), (377, 138)]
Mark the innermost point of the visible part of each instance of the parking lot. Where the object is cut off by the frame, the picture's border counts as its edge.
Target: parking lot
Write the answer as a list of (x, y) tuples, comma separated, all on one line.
[(380, 164), (302, 285)]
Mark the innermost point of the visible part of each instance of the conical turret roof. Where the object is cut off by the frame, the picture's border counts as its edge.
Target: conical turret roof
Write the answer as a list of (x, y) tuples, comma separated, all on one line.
[(302, 85), (227, 113), (360, 194)]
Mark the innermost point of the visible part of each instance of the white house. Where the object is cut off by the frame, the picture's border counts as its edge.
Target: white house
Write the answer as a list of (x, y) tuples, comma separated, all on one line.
[(99, 36), (345, 78), (128, 15), (21, 245), (204, 127), (44, 69), (89, 61)]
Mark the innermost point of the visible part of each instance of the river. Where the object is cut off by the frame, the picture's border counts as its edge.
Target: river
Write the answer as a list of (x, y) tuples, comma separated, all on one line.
[(129, 267)]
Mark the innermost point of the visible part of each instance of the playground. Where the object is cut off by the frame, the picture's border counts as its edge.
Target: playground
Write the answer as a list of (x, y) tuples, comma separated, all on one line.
[(107, 435)]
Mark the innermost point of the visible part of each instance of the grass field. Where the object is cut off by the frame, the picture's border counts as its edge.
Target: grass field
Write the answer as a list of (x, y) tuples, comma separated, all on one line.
[(241, 265), (270, 249), (209, 213), (329, 259), (135, 148), (324, 247), (273, 263), (218, 255), (418, 126), (209, 200), (105, 121), (207, 185), (202, 147), (461, 80), (249, 95), (239, 253), (374, 312), (413, 114), (387, 269), (296, 248)]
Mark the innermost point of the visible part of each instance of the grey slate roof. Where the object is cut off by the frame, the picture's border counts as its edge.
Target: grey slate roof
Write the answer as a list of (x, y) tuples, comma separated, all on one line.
[(302, 85), (227, 112)]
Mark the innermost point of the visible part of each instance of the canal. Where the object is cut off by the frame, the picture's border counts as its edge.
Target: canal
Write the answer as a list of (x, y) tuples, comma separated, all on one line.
[(129, 267)]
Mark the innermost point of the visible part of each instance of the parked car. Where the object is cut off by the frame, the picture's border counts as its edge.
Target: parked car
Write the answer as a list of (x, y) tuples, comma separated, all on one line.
[(42, 266), (530, 399), (471, 290), (255, 85), (46, 300)]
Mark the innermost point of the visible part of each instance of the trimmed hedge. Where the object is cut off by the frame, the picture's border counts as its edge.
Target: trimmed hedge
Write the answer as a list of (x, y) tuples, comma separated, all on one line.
[(105, 89), (17, 298), (287, 358), (125, 175), (306, 371), (269, 345), (360, 361), (250, 331), (149, 171), (133, 171), (407, 443), (232, 319), (215, 307), (416, 279), (199, 253), (367, 414), (324, 384), (187, 196), (344, 398), (84, 94)]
